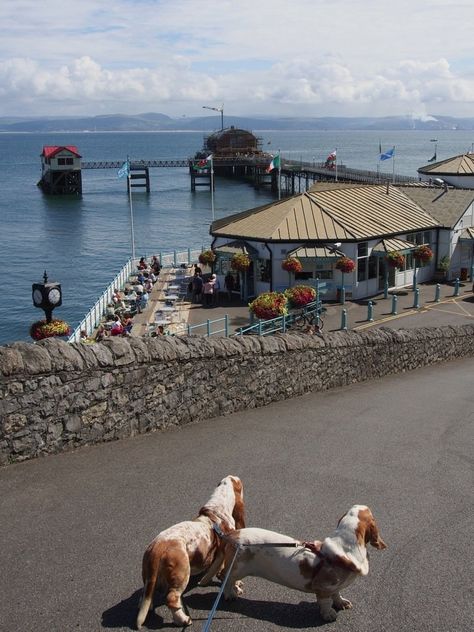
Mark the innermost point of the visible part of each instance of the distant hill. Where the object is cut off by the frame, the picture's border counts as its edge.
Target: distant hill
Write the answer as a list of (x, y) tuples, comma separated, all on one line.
[(150, 121)]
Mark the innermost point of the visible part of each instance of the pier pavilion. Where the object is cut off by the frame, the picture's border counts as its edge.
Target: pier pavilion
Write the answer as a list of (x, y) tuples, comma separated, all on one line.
[(61, 170), (362, 222)]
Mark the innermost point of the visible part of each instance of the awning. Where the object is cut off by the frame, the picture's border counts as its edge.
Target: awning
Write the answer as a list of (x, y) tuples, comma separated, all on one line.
[(393, 245), (467, 234), (236, 247), (321, 253)]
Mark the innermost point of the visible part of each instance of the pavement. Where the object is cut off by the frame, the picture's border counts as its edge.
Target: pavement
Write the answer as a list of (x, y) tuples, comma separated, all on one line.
[(74, 526), (450, 310)]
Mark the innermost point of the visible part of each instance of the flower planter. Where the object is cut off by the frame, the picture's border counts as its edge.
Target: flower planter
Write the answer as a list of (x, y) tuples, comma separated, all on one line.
[(42, 329), (300, 295), (269, 305)]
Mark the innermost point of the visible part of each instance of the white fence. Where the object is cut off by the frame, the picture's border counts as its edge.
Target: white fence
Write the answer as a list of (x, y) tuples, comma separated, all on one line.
[(93, 317)]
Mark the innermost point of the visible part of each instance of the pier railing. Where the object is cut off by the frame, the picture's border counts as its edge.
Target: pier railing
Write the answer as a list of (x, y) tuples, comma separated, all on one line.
[(92, 319)]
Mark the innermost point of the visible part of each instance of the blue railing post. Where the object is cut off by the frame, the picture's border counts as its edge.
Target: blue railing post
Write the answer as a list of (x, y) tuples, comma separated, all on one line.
[(226, 325), (344, 320), (394, 304), (208, 328), (284, 323), (370, 311), (416, 300), (259, 326), (438, 293), (189, 256), (385, 288), (414, 276), (343, 295), (175, 260), (160, 256), (456, 287)]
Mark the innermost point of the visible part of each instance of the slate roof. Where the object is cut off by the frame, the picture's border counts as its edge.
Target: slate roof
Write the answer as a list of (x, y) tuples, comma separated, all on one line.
[(462, 165), (445, 206)]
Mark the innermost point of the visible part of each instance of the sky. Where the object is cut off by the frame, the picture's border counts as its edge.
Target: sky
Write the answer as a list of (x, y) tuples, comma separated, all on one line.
[(253, 57)]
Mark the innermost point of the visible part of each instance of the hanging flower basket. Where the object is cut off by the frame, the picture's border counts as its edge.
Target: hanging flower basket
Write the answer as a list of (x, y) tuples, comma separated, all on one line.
[(345, 265), (423, 254), (41, 329), (292, 264), (300, 295), (240, 262), (395, 259), (269, 305), (207, 257)]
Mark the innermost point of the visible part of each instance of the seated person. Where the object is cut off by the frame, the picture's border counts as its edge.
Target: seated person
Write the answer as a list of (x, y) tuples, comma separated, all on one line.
[(117, 299), (144, 300), (127, 323), (117, 327), (142, 264)]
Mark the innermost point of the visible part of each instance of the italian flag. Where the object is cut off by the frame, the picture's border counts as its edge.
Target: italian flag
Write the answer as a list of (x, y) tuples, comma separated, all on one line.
[(275, 164), (204, 163)]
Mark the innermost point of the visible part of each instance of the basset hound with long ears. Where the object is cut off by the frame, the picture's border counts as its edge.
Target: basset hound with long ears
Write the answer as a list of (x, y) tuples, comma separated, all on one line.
[(323, 568), (188, 548)]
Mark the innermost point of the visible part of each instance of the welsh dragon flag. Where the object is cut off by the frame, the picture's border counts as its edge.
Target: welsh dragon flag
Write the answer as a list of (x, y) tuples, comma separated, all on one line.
[(204, 163), (275, 164)]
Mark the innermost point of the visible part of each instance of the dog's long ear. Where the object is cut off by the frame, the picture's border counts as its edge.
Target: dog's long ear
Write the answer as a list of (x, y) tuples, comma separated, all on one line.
[(373, 536), (238, 512), (367, 531)]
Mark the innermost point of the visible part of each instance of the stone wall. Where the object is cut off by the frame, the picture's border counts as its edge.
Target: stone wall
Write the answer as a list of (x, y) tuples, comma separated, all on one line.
[(56, 396)]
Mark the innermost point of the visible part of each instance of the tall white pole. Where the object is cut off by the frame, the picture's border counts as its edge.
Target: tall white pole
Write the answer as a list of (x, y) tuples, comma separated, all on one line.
[(132, 232), (212, 188), (393, 166), (279, 175), (336, 162)]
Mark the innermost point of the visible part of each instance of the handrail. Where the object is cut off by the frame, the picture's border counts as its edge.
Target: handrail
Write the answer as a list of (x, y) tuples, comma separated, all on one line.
[(280, 323), (207, 324), (92, 318)]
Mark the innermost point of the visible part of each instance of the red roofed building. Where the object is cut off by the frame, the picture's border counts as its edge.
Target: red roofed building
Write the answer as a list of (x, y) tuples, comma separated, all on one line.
[(61, 170)]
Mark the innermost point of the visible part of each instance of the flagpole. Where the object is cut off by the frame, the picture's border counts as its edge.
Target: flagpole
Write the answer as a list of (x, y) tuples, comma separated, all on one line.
[(335, 151), (393, 166), (132, 232), (212, 188), (279, 175)]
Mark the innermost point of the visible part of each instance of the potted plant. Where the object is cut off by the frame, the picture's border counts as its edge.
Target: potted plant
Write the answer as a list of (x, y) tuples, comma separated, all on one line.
[(269, 305), (300, 295), (395, 259), (345, 265), (291, 264), (442, 269), (423, 254), (207, 257), (240, 262), (42, 329)]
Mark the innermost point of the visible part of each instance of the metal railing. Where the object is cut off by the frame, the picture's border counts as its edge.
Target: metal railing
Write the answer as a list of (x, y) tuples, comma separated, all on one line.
[(93, 317), (281, 323), (209, 327)]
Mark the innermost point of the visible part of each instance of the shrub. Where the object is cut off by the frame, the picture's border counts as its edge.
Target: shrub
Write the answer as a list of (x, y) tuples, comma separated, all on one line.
[(300, 295)]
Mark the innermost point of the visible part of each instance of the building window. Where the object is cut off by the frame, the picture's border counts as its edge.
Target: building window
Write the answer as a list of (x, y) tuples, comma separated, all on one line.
[(366, 265), (69, 161), (263, 270), (423, 237)]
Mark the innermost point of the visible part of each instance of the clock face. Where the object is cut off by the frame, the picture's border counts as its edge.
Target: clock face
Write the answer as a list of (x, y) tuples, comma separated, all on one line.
[(37, 297), (53, 296)]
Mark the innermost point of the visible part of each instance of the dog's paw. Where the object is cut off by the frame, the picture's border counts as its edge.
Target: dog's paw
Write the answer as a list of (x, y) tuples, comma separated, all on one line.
[(328, 614), (238, 588), (342, 604), (181, 619)]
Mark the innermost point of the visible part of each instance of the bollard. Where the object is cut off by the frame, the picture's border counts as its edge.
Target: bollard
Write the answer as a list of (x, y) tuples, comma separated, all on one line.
[(370, 311), (438, 293), (344, 320), (226, 325), (416, 300), (385, 289), (456, 288), (394, 304), (343, 295)]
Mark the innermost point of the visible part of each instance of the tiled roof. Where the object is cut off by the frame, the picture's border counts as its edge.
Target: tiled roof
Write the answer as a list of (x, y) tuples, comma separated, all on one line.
[(333, 214), (49, 151), (462, 165), (446, 206)]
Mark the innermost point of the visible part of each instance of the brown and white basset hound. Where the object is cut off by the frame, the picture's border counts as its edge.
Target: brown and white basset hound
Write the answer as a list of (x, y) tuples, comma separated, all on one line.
[(188, 548), (323, 568)]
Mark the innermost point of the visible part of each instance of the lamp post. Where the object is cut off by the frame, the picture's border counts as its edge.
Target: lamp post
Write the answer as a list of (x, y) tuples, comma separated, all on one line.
[(47, 296), (221, 110)]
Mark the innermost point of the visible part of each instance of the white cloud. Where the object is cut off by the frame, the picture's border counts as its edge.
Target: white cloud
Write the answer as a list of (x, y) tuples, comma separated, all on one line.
[(310, 57)]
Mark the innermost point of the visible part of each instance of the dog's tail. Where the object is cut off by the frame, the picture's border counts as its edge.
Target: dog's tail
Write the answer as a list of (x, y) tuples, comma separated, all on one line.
[(150, 568)]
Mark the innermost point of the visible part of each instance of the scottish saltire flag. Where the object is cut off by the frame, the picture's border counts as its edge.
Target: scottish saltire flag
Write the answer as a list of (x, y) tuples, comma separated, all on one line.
[(123, 171), (388, 154), (275, 164)]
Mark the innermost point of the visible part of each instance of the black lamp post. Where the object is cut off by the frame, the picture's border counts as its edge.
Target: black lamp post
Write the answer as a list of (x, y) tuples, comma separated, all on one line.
[(47, 296)]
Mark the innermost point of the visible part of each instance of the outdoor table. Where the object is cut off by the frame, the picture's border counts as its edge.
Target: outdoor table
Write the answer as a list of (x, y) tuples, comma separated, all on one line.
[(165, 308), (173, 287), (171, 297), (161, 321)]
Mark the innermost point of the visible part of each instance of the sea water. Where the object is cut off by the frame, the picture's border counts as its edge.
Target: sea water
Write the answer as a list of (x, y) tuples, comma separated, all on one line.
[(83, 242)]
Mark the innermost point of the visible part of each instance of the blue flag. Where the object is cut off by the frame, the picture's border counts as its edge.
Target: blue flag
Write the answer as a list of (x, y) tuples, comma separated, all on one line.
[(388, 154), (123, 171)]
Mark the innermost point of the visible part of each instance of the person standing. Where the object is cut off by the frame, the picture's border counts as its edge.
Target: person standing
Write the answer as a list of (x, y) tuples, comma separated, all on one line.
[(208, 289), (229, 284), (197, 288)]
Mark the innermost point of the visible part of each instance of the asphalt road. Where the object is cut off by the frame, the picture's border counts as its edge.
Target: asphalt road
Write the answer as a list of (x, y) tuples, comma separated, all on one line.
[(73, 527)]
